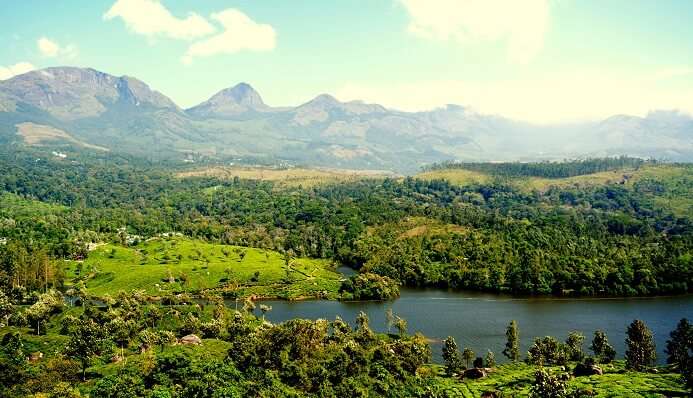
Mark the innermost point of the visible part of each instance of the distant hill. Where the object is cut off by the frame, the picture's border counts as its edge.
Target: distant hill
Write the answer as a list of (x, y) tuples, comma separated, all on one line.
[(124, 115), (668, 185)]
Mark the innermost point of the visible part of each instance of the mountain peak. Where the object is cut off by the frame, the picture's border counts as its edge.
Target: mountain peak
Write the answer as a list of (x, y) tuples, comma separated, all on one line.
[(242, 94), (72, 93), (325, 99), (232, 101)]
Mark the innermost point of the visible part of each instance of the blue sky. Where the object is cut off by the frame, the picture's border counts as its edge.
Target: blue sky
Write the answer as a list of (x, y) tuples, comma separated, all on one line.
[(537, 60)]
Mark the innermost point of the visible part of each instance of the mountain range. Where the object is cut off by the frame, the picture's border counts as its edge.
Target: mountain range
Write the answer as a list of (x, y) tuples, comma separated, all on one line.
[(82, 107)]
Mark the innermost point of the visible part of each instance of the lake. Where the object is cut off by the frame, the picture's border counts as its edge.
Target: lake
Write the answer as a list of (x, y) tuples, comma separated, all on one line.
[(478, 320)]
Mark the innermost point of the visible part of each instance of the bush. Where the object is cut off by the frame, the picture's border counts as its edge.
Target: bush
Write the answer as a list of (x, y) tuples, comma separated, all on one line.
[(547, 351), (368, 286)]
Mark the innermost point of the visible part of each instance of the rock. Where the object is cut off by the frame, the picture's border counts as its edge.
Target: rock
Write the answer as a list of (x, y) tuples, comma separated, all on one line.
[(582, 369), (474, 373), (35, 356), (116, 359), (191, 339)]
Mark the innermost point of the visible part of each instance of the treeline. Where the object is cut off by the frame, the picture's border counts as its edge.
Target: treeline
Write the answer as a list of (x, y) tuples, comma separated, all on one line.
[(564, 169)]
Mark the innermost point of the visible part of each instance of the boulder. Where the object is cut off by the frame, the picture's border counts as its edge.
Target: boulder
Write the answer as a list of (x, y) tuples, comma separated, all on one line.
[(191, 339), (474, 373), (583, 369), (35, 356)]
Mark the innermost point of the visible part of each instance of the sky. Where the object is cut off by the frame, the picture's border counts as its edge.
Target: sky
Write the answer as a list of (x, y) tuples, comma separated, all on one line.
[(543, 61)]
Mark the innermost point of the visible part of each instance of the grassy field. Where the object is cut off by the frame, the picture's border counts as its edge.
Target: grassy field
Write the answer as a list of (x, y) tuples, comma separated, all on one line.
[(528, 184), (172, 265), (288, 177), (459, 177), (669, 185), (15, 206), (514, 380)]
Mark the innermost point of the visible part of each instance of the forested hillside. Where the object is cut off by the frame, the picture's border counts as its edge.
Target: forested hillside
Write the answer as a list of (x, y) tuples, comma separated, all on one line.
[(615, 238)]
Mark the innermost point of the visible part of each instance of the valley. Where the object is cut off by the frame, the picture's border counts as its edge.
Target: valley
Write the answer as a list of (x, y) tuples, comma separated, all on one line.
[(354, 266), (391, 198)]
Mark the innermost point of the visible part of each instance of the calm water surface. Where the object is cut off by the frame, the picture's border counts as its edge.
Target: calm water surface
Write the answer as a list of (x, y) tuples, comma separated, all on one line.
[(478, 320)]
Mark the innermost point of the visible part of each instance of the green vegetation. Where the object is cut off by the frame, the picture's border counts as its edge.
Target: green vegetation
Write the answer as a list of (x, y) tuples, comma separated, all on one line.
[(116, 271), (173, 265), (626, 239), (132, 348), (367, 286), (516, 380), (546, 169)]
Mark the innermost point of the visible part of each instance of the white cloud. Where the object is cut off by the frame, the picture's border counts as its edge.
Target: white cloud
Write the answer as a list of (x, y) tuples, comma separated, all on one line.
[(522, 24), (240, 33), (7, 72), (151, 18), (562, 97), (50, 48)]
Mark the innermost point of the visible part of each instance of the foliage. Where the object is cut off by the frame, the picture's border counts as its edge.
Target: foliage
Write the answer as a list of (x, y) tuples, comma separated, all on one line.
[(547, 385), (512, 343), (640, 346), (679, 350), (601, 348), (451, 356), (87, 341), (547, 351), (573, 345), (468, 356), (546, 169), (490, 359), (368, 286)]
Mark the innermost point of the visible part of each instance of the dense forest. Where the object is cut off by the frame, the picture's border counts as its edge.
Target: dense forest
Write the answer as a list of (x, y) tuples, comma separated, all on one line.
[(568, 168), (602, 239)]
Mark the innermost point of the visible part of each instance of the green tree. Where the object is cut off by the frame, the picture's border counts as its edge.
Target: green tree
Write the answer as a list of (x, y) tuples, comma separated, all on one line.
[(601, 348), (451, 356), (87, 341), (679, 350), (512, 344), (121, 332), (468, 356), (39, 312), (490, 359), (547, 351), (640, 346), (574, 346), (6, 309)]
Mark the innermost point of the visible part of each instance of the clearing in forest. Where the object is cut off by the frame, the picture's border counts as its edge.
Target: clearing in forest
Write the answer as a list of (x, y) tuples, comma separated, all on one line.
[(162, 266)]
